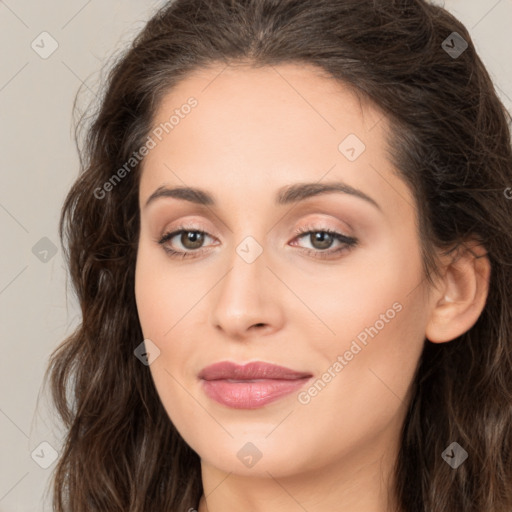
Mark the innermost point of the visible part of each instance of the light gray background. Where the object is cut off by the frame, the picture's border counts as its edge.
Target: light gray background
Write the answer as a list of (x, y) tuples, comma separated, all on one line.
[(38, 165)]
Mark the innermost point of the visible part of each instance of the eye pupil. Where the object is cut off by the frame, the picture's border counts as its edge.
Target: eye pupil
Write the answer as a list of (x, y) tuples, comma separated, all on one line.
[(324, 238)]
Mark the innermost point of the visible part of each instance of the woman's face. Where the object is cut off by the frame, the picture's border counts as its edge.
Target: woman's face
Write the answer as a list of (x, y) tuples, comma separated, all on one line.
[(348, 317)]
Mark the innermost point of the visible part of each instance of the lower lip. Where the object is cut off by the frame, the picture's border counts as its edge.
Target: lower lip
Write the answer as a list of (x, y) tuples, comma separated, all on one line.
[(250, 395)]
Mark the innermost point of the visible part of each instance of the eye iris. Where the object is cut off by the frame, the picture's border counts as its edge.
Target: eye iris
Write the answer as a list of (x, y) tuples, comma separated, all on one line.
[(324, 238), (192, 236)]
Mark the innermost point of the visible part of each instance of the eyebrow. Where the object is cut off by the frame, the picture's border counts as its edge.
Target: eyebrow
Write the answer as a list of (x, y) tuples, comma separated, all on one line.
[(285, 195)]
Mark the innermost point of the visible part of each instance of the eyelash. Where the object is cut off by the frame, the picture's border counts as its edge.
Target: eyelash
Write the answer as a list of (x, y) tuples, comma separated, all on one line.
[(348, 242)]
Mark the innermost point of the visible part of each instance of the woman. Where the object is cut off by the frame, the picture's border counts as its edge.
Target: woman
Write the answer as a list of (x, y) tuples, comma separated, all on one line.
[(291, 242)]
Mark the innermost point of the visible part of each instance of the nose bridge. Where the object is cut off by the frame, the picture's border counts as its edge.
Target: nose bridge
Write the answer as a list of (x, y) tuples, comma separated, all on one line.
[(247, 294)]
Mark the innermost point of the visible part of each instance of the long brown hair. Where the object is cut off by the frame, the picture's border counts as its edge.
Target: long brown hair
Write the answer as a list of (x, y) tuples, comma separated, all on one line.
[(450, 143)]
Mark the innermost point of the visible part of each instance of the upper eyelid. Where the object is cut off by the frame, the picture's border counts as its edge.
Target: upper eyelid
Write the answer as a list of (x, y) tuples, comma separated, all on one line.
[(303, 229), (314, 225), (171, 233)]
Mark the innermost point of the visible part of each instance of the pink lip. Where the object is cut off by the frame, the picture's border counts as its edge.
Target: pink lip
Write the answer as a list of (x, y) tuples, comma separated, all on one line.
[(249, 386)]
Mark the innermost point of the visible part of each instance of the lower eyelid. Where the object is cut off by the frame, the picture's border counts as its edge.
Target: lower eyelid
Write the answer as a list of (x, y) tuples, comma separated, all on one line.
[(344, 243)]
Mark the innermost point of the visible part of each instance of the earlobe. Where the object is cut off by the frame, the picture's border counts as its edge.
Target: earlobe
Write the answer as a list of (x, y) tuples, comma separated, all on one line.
[(462, 294)]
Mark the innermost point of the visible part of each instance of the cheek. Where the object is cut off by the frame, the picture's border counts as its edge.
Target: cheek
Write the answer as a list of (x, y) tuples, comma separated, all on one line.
[(368, 389), (160, 296), (164, 304), (374, 317), (367, 288), (160, 309)]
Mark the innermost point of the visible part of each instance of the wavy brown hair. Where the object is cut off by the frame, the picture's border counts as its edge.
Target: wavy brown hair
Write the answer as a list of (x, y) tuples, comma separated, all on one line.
[(450, 142)]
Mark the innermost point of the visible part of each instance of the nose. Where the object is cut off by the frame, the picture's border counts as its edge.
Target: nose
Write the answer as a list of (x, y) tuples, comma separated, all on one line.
[(248, 300)]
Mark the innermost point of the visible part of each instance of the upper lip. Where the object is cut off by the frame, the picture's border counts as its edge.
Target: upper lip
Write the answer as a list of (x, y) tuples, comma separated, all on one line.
[(249, 371)]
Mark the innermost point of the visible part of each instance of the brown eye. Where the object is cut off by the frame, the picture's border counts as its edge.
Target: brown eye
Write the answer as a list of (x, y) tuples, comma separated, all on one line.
[(321, 240), (192, 239), (184, 242)]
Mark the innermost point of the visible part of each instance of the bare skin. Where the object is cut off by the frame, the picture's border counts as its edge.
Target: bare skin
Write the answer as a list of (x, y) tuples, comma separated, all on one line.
[(253, 132)]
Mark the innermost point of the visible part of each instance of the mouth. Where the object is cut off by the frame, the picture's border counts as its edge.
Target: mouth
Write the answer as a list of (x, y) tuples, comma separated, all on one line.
[(251, 385)]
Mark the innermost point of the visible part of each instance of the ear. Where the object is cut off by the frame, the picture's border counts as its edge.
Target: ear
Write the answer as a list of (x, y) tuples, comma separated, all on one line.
[(461, 295)]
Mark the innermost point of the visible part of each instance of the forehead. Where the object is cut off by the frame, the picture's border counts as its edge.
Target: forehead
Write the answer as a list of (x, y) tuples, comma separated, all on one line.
[(253, 128), (241, 100)]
